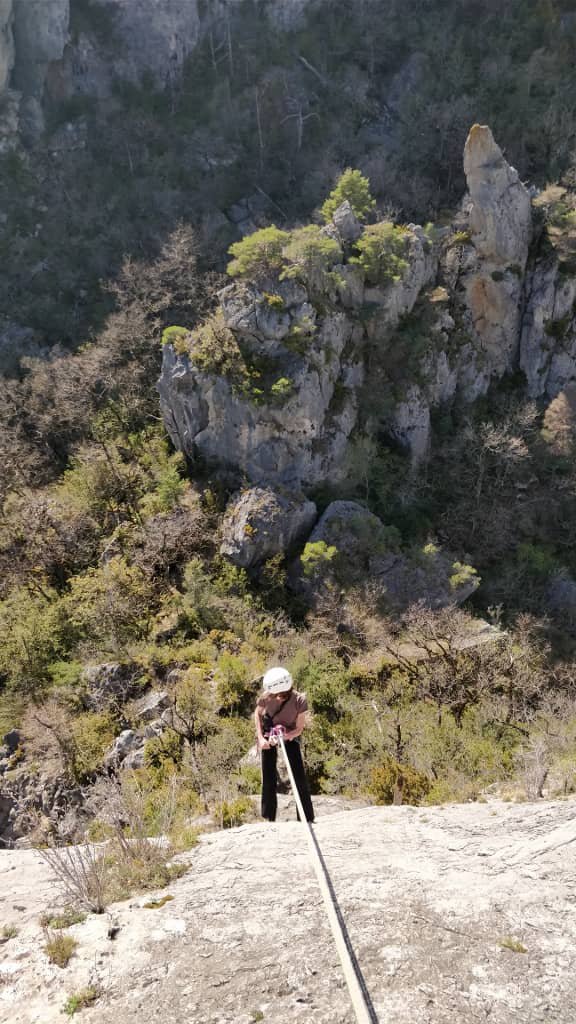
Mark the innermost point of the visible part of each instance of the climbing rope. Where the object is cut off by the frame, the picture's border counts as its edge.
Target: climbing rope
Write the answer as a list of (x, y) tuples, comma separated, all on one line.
[(359, 995)]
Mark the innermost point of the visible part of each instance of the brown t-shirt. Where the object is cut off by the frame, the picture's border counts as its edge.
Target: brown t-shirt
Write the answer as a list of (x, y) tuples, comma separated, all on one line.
[(283, 714)]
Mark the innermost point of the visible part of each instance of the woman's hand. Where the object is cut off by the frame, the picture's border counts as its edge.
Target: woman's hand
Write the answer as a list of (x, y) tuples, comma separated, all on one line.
[(263, 744)]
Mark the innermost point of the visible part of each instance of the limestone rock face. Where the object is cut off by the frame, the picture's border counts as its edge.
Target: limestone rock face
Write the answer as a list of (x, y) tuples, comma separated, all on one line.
[(428, 894), (500, 223), (410, 423), (349, 227), (40, 34), (6, 42), (500, 218), (548, 342), (298, 439), (261, 523)]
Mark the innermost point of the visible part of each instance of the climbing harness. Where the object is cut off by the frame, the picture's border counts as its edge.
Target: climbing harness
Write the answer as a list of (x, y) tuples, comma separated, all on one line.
[(359, 995)]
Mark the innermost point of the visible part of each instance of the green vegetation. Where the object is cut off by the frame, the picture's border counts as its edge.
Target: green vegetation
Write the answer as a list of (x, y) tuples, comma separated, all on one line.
[(65, 919), (59, 948), (109, 540), (354, 187), (157, 904), (258, 255), (382, 253), (80, 1000), (308, 256), (317, 556), (175, 336), (512, 944), (9, 931)]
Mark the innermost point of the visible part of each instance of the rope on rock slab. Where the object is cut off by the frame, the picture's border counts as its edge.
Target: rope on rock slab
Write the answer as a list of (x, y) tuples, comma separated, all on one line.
[(359, 995)]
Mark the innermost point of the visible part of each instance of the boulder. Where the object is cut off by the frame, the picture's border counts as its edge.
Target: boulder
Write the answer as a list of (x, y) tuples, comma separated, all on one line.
[(109, 683), (148, 708), (347, 223), (429, 576), (261, 522), (125, 750), (368, 552)]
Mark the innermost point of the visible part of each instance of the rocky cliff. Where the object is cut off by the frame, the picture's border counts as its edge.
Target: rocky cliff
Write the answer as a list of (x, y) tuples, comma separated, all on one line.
[(458, 913)]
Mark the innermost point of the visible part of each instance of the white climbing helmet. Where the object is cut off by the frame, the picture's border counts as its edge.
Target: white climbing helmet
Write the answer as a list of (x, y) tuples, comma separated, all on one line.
[(277, 680)]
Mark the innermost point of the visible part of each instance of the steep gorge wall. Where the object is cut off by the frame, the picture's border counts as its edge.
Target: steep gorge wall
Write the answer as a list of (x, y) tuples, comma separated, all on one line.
[(51, 50)]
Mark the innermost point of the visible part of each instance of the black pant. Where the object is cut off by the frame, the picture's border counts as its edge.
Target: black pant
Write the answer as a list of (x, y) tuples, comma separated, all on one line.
[(269, 779)]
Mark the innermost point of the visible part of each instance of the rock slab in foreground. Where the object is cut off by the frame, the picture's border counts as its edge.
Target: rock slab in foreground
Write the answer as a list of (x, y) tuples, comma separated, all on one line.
[(429, 895)]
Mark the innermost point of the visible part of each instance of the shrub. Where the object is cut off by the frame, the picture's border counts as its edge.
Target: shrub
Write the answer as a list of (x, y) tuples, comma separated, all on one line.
[(79, 1000), (462, 574), (282, 389), (65, 919), (316, 557), (309, 255), (111, 603), (176, 336), (382, 252), (391, 782), (214, 349), (460, 238), (231, 813), (232, 682), (33, 633), (59, 948), (274, 301), (93, 734), (353, 186), (259, 254)]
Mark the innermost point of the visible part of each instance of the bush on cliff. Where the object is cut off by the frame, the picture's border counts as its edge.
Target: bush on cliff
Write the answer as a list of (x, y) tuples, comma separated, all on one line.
[(354, 187), (382, 252), (309, 255), (259, 254)]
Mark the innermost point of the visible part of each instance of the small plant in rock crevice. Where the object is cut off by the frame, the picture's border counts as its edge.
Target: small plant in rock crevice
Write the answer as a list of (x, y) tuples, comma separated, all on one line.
[(80, 1000)]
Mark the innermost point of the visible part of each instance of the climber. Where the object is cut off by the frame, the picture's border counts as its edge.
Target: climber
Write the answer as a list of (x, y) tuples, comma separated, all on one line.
[(280, 704)]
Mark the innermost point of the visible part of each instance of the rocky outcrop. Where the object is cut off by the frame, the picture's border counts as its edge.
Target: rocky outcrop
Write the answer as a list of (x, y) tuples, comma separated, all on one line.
[(295, 438), (6, 43), (500, 226), (260, 523), (500, 215), (294, 431), (548, 337), (108, 684), (359, 548), (40, 35)]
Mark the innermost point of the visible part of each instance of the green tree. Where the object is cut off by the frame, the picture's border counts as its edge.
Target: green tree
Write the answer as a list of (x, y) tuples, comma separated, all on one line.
[(111, 604), (353, 186), (382, 252), (259, 254), (309, 255), (317, 557), (33, 632)]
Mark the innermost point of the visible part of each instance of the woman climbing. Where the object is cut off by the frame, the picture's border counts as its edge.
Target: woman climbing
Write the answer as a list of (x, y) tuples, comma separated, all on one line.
[(280, 704)]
